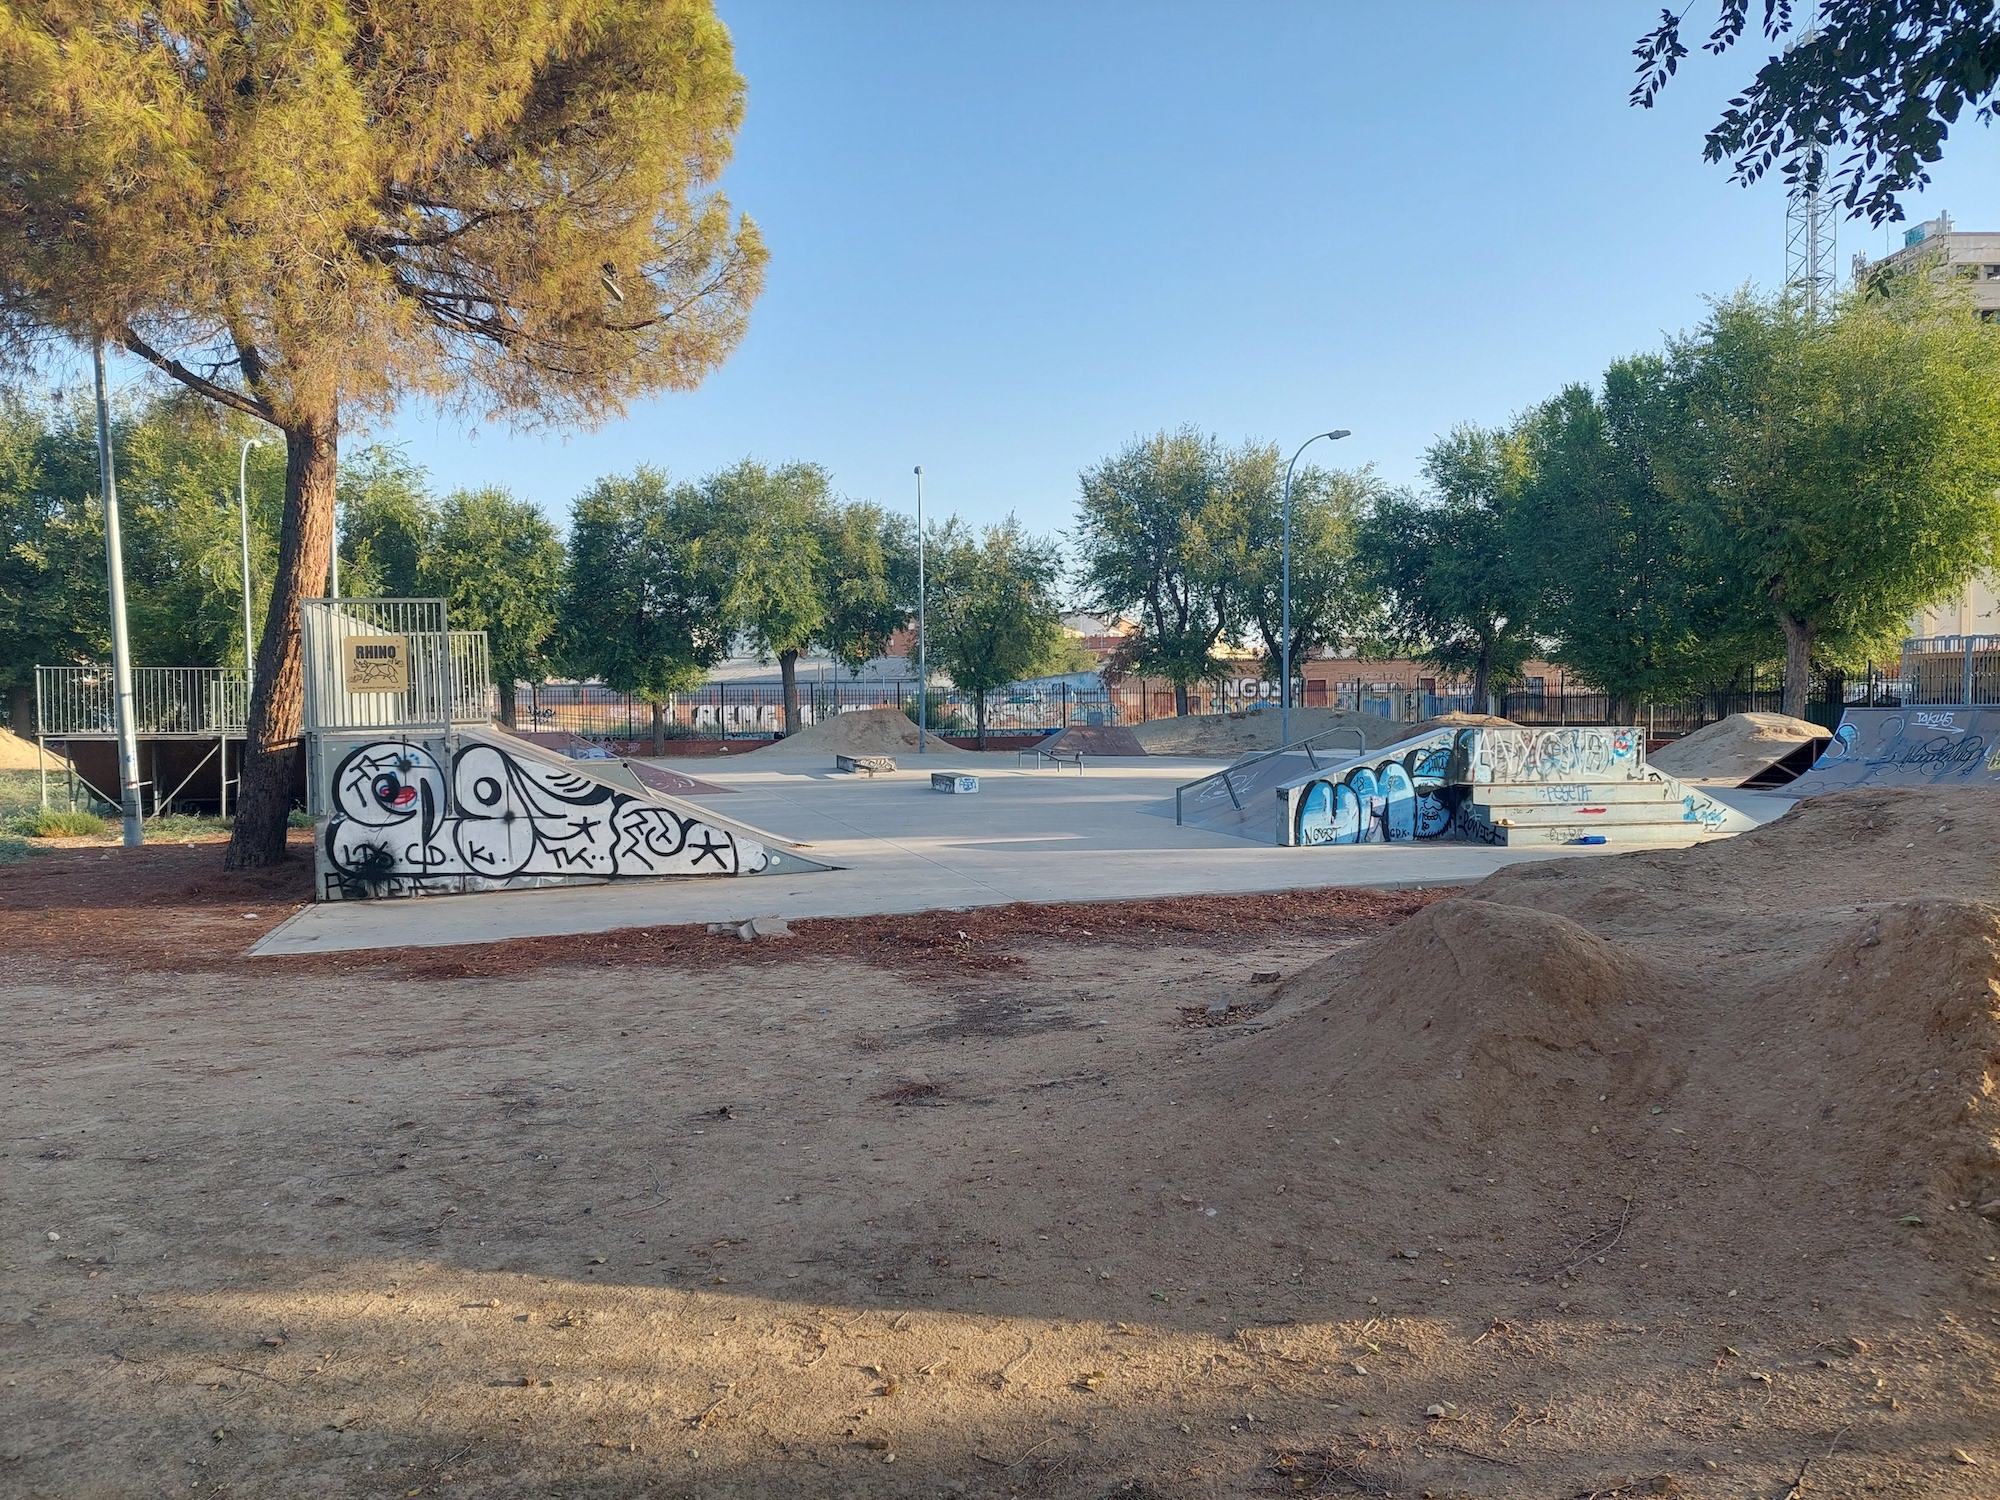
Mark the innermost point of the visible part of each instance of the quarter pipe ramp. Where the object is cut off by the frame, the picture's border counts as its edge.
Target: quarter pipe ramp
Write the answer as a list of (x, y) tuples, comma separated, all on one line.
[(1907, 747)]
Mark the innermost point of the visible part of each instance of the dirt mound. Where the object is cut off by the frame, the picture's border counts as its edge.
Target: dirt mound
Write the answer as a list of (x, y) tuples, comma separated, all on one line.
[(1770, 1057), (1523, 1012), (863, 731), (1453, 720), (17, 754), (1735, 748), (1229, 735)]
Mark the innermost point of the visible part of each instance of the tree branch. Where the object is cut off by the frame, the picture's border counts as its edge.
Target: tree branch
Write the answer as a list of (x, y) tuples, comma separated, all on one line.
[(219, 394)]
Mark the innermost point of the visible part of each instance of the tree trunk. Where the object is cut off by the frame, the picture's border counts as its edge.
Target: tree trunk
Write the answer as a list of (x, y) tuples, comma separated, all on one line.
[(21, 709), (305, 548), (982, 718), (1624, 711), (507, 703), (659, 729), (788, 673), (1180, 700), (1481, 680), (1798, 665)]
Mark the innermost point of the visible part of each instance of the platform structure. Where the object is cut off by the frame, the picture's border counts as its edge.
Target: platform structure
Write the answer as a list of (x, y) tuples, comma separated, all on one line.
[(184, 719), (414, 791), (1485, 785)]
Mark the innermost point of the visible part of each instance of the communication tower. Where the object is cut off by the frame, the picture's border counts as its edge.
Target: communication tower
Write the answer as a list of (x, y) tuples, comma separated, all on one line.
[(1811, 223)]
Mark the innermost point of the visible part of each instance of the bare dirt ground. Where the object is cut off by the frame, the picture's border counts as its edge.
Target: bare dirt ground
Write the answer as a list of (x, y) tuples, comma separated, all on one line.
[(1647, 1175)]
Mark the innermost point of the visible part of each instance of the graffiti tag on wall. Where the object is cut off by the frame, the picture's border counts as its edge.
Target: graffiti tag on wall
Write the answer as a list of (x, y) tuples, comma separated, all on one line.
[(392, 830), (1565, 754)]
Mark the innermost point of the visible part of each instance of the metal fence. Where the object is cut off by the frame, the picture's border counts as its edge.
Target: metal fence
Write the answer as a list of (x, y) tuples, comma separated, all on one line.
[(167, 702), (1961, 669), (757, 710)]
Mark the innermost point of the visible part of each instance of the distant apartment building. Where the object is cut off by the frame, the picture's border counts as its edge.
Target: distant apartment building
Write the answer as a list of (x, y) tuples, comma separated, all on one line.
[(1969, 257)]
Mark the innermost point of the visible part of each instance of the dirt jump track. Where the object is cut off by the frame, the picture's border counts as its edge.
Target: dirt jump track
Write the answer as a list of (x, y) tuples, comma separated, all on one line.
[(1672, 1172)]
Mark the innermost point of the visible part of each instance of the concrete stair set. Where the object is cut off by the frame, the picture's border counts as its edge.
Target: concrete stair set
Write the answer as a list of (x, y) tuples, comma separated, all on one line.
[(1505, 787)]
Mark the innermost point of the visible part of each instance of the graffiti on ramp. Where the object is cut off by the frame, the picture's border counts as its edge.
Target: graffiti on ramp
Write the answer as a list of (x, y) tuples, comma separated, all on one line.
[(403, 819), (1910, 746)]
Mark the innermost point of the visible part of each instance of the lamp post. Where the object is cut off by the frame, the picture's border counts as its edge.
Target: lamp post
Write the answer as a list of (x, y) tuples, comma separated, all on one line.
[(1285, 643), (243, 520), (923, 670), (121, 643)]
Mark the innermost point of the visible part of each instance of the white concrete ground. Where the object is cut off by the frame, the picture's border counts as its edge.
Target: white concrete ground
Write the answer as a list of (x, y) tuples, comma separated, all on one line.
[(1027, 835)]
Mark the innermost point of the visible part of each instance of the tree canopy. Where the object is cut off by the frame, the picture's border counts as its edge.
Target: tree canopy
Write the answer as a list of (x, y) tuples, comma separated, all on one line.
[(645, 603), (497, 563), (305, 214), (1157, 537), (1845, 471), (1628, 594), (1454, 588), (993, 613), (1331, 601), (1884, 82), (177, 461)]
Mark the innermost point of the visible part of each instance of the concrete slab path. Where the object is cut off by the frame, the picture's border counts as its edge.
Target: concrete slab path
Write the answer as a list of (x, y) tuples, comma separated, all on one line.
[(1026, 835)]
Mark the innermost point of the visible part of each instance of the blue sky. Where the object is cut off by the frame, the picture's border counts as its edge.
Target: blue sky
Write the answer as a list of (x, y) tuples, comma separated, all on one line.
[(1006, 238)]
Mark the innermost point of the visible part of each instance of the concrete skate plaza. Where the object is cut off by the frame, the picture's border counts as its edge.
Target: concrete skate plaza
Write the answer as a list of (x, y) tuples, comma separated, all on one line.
[(1027, 835)]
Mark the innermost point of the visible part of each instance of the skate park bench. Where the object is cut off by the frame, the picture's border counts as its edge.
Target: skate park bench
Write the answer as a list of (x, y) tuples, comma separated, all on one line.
[(1056, 758), (865, 765)]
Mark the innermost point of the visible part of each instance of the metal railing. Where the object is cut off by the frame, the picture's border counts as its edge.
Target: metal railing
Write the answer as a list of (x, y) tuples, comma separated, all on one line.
[(1959, 669), (446, 677), (1237, 768), (167, 702)]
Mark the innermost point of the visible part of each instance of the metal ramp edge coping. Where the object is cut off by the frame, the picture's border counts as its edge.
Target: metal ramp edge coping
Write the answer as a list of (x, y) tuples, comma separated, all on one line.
[(1243, 763), (783, 849)]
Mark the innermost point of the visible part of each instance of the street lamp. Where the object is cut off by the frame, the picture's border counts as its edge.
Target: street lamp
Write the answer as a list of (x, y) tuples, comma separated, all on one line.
[(121, 640), (1285, 644), (923, 671), (243, 518)]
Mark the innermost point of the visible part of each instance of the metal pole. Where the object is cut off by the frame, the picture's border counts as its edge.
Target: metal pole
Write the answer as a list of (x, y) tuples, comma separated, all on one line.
[(243, 518), (1285, 628), (121, 645), (923, 668)]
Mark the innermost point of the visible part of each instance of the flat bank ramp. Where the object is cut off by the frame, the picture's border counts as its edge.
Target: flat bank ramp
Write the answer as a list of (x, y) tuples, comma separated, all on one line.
[(1241, 800), (484, 810), (1916, 747)]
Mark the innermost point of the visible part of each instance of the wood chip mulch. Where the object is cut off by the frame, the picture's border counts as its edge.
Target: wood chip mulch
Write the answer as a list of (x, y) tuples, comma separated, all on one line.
[(173, 907)]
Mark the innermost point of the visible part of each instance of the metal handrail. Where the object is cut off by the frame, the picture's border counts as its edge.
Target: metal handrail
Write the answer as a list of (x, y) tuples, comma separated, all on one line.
[(1306, 744)]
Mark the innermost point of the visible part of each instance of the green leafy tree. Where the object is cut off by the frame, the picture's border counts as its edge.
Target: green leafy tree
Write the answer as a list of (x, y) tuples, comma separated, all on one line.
[(386, 516), (1331, 601), (52, 590), (177, 471), (1627, 591), (776, 522), (993, 614), (870, 561), (1884, 82), (306, 214), (645, 604), (1845, 470), (1446, 567), (1158, 537), (498, 564)]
